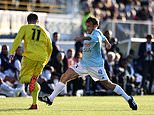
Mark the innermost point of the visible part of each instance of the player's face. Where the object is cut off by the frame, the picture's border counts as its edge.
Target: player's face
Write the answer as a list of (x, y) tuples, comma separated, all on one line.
[(90, 27)]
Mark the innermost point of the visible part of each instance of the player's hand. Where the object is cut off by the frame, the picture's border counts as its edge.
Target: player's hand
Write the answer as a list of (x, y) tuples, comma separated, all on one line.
[(11, 57)]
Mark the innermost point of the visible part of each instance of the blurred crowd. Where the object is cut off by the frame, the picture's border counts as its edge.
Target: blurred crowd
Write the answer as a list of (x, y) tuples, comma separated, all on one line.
[(133, 74), (102, 9), (120, 9)]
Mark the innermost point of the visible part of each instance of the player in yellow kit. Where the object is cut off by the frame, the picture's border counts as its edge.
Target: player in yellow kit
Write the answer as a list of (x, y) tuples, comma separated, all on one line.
[(37, 51)]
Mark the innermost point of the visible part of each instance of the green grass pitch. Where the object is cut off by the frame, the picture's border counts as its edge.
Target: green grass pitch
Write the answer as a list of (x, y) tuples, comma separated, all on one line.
[(102, 105)]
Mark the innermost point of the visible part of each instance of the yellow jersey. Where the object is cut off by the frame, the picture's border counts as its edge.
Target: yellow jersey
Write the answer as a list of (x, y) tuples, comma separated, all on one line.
[(37, 43)]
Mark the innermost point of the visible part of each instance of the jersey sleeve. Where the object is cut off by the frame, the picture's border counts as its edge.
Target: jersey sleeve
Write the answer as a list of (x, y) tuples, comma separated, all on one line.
[(17, 40), (94, 36), (101, 34), (103, 38)]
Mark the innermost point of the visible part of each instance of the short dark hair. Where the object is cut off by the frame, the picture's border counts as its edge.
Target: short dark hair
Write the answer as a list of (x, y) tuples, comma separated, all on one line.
[(4, 46), (93, 20), (55, 33), (32, 17), (149, 36)]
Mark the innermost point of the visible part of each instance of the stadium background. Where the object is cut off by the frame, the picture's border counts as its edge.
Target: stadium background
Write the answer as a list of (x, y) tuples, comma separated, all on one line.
[(64, 16)]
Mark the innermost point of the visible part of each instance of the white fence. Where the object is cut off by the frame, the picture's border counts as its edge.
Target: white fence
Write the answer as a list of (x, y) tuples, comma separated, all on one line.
[(67, 25), (128, 29), (132, 43), (129, 33), (11, 21)]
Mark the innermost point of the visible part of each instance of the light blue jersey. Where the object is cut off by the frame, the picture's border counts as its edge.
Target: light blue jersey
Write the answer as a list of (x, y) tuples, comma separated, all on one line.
[(92, 56)]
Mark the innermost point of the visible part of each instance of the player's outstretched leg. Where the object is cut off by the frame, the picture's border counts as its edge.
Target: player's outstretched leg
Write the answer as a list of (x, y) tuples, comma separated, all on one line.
[(45, 99), (132, 104), (129, 99), (117, 89), (67, 76), (48, 100)]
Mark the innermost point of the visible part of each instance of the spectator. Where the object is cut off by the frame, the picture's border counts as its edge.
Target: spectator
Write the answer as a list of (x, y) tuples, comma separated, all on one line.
[(77, 57), (107, 34), (144, 14), (7, 75), (70, 62), (55, 38), (7, 90), (70, 57), (45, 81), (6, 68), (16, 62), (146, 56), (4, 60), (79, 44), (121, 9), (59, 65), (109, 65), (114, 45), (86, 15)]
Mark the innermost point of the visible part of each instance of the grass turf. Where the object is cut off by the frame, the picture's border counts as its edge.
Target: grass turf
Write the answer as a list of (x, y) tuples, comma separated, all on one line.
[(102, 105)]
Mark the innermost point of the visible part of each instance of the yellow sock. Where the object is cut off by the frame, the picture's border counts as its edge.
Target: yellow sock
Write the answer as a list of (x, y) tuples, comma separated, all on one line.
[(35, 93)]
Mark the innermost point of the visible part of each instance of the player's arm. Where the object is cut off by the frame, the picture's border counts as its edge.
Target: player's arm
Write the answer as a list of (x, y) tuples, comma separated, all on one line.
[(17, 40)]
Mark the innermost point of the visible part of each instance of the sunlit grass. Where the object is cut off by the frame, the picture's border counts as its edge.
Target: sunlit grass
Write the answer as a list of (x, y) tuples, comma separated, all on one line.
[(102, 105)]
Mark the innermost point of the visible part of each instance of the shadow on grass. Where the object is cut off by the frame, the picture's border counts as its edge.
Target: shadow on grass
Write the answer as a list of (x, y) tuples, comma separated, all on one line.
[(13, 109), (25, 109), (88, 110)]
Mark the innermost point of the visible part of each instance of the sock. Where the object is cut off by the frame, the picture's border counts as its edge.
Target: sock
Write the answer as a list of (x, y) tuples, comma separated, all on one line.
[(6, 87), (121, 92), (35, 93), (59, 87), (32, 82)]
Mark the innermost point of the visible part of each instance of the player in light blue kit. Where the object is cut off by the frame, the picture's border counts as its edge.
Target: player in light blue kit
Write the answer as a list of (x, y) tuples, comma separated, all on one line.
[(91, 64)]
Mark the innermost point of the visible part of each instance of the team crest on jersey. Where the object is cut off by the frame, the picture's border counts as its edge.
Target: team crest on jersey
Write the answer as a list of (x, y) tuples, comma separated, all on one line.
[(100, 71)]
